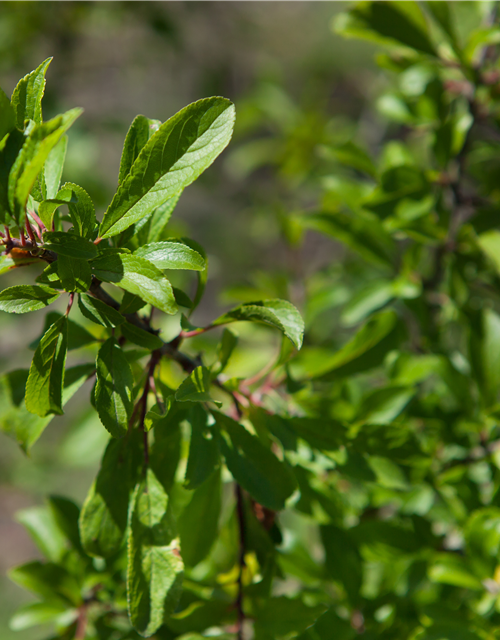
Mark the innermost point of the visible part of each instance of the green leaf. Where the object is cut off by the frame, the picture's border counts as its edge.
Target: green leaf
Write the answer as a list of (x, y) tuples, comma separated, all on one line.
[(276, 313), (484, 345), (53, 168), (27, 96), (171, 255), (196, 387), (447, 568), (36, 613), (7, 116), (343, 561), (80, 207), (322, 433), (103, 518), (42, 527), (204, 454), (66, 514), (140, 132), (16, 420), (181, 149), (24, 298), (139, 277), (99, 312), (269, 481), (388, 23), (382, 406), (140, 337), (203, 509), (52, 582), (227, 344), (11, 261), (77, 336), (281, 616), (113, 390), (155, 568), (70, 245), (46, 377), (166, 449), (35, 151), (326, 625), (10, 149), (131, 304), (75, 273)]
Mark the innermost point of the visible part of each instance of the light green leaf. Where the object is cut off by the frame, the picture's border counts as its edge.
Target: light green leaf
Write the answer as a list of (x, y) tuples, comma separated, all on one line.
[(103, 518), (139, 277), (181, 149), (196, 387), (69, 244), (140, 132), (46, 377), (36, 613), (35, 151), (276, 313), (448, 568), (155, 568), (204, 453), (140, 337), (27, 96), (268, 480), (198, 522), (42, 527), (227, 344), (24, 298), (11, 261), (171, 255), (80, 207), (99, 312), (113, 390), (75, 273), (7, 116), (51, 581), (53, 168)]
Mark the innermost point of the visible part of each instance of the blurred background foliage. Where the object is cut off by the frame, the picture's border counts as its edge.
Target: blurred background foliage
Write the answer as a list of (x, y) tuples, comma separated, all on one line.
[(296, 85)]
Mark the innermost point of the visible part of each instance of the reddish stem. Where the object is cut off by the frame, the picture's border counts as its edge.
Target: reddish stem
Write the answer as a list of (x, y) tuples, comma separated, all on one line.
[(38, 220), (30, 232)]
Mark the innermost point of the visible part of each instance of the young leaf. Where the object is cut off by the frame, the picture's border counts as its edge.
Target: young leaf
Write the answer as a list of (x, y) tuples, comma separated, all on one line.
[(171, 255), (35, 150), (75, 273), (204, 507), (140, 337), (181, 149), (46, 377), (276, 313), (27, 96), (253, 466), (196, 387), (204, 453), (140, 132), (70, 245), (113, 390), (80, 207), (53, 168), (103, 518), (99, 312), (7, 117), (155, 568), (137, 276), (24, 298)]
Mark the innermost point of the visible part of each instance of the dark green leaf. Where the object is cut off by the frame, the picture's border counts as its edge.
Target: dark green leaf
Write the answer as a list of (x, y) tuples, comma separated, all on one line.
[(171, 255), (27, 96), (77, 336), (7, 116), (140, 337), (181, 149), (48, 580), (276, 313), (99, 312), (227, 344), (165, 452), (155, 568), (69, 245), (43, 528), (253, 466), (140, 132), (326, 625), (203, 509), (343, 561), (24, 298), (139, 277), (196, 387), (46, 377), (75, 273), (281, 616), (66, 513), (204, 454), (113, 390)]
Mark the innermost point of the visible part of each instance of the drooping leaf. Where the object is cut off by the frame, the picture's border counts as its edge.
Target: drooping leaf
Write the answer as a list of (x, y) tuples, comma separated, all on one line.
[(140, 132), (171, 255), (69, 245), (203, 508), (27, 96), (204, 454), (155, 567), (45, 382), (253, 466), (75, 273), (103, 518), (137, 276), (113, 390), (24, 298), (35, 151), (181, 149), (99, 312), (140, 337), (196, 387), (276, 313)]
